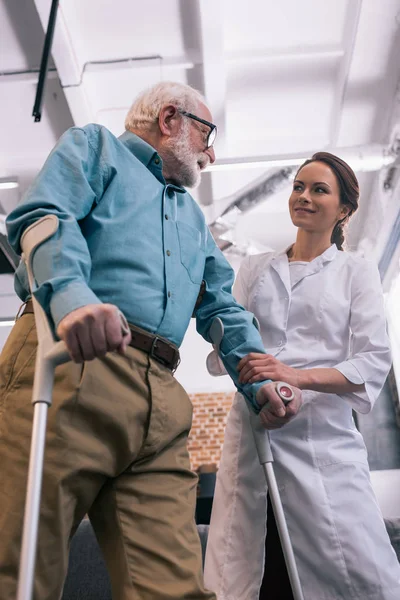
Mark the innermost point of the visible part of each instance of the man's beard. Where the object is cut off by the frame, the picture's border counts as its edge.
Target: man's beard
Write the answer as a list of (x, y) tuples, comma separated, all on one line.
[(184, 165)]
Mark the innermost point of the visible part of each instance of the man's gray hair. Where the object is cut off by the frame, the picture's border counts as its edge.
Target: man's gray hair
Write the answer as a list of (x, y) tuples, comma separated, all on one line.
[(147, 106)]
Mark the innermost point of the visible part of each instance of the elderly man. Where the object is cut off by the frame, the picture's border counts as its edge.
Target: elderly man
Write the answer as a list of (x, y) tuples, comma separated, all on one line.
[(130, 238)]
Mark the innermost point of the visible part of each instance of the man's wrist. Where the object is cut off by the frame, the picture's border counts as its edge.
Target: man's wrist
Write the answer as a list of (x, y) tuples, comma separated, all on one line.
[(254, 390)]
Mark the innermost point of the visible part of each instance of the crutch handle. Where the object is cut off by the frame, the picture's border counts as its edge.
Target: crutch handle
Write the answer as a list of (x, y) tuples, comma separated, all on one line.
[(58, 354), (261, 437), (285, 392)]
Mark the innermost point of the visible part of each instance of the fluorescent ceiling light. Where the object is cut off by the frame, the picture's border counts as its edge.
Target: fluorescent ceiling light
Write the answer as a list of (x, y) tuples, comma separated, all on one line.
[(6, 323), (8, 183), (360, 158), (257, 163)]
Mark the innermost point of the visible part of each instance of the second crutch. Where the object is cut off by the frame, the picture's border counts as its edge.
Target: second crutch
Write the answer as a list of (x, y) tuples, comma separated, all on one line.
[(262, 441)]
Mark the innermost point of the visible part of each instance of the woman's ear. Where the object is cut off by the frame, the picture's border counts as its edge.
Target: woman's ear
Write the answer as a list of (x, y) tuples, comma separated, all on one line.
[(168, 120), (344, 212)]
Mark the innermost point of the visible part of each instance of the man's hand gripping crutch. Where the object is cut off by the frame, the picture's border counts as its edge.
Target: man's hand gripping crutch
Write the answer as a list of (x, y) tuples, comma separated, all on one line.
[(279, 402), (85, 333)]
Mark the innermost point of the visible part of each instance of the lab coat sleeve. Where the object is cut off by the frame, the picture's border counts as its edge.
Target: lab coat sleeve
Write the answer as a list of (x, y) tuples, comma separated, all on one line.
[(370, 358)]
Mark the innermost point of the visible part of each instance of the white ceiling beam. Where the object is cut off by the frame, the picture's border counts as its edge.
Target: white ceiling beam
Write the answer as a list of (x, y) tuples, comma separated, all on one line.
[(350, 30), (298, 53), (212, 58), (68, 66), (213, 75), (29, 76)]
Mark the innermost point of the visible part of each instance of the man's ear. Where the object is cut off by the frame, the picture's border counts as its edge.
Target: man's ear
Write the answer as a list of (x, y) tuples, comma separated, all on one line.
[(169, 120)]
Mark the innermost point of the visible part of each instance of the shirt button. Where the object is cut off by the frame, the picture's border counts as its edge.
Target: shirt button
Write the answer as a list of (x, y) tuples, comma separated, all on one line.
[(157, 161), (168, 253), (166, 216), (169, 294)]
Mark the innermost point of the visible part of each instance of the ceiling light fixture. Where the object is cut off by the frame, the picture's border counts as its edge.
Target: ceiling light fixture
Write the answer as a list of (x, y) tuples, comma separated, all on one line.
[(8, 183), (6, 323), (360, 158)]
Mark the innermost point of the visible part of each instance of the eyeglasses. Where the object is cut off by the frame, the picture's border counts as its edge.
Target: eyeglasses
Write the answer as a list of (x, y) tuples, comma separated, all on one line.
[(213, 128)]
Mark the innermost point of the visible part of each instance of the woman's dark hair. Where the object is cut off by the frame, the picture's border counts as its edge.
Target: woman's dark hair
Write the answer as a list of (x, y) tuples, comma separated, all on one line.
[(348, 186)]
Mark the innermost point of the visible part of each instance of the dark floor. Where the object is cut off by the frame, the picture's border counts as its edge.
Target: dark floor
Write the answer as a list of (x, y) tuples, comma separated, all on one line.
[(381, 433)]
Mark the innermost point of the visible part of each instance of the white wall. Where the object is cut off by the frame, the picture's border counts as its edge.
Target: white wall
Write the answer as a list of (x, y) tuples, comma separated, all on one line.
[(192, 372)]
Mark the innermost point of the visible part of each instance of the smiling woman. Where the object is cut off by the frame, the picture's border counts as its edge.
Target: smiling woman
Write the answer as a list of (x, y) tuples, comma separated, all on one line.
[(322, 321), (327, 187)]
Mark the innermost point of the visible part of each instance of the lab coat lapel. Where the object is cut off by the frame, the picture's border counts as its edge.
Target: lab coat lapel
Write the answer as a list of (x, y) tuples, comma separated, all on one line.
[(280, 264)]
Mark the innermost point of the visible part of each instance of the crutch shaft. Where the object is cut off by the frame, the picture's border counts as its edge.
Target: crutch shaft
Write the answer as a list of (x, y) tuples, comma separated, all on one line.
[(283, 531), (30, 531)]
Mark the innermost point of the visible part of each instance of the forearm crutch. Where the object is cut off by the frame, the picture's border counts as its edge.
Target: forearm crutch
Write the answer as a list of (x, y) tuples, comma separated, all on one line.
[(49, 354), (262, 441)]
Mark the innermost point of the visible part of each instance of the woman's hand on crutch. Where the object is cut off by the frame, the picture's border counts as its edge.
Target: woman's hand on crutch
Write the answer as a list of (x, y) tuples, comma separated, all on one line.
[(275, 413), (93, 330)]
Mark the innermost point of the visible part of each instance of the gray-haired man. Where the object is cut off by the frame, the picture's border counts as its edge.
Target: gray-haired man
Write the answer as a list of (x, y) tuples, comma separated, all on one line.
[(131, 238)]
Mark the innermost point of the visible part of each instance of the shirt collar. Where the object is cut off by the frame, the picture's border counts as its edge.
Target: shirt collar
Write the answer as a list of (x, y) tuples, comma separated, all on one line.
[(147, 155)]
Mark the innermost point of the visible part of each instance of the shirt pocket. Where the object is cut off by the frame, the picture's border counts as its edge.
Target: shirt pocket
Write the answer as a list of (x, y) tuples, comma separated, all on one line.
[(191, 251)]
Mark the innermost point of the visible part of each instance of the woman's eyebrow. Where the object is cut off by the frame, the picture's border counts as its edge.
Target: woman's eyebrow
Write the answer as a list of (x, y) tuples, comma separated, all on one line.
[(322, 183)]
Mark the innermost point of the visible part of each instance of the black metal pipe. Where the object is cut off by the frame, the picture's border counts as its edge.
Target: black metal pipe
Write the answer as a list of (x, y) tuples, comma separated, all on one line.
[(37, 108)]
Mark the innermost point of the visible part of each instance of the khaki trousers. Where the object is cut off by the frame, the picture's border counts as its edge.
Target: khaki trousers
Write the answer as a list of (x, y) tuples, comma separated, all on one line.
[(116, 450)]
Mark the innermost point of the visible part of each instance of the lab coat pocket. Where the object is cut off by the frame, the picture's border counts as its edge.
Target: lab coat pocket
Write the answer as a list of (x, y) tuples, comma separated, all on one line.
[(191, 251)]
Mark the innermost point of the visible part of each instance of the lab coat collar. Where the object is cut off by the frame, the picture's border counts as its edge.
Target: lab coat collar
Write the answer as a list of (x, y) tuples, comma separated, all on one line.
[(280, 263)]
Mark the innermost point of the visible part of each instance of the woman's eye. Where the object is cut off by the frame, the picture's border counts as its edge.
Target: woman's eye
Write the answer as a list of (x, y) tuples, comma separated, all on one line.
[(297, 188), (321, 190)]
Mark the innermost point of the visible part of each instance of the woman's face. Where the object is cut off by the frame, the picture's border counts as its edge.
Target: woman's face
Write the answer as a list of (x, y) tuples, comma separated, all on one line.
[(314, 203)]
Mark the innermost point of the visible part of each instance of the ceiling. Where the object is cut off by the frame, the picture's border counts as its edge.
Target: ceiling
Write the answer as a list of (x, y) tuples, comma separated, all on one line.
[(280, 78)]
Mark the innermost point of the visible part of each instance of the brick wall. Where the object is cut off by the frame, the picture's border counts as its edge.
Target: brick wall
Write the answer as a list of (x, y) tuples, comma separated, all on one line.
[(210, 412)]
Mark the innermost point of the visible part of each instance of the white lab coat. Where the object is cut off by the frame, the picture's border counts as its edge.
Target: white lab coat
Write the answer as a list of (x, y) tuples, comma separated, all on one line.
[(333, 317)]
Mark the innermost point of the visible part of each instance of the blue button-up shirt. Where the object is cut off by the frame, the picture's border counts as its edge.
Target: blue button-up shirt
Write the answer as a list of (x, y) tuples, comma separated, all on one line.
[(128, 238)]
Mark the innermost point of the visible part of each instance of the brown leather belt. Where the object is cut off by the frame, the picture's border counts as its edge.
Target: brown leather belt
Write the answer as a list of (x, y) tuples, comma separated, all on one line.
[(157, 347)]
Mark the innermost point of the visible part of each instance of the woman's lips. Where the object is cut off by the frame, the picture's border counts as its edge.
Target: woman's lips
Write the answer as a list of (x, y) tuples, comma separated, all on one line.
[(304, 210)]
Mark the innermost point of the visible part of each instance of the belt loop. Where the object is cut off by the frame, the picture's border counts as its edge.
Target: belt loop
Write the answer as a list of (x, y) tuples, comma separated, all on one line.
[(153, 347), (178, 362)]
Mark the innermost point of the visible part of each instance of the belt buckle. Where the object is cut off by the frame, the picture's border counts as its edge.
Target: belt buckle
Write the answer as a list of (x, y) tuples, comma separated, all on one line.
[(164, 362), (156, 356), (153, 347)]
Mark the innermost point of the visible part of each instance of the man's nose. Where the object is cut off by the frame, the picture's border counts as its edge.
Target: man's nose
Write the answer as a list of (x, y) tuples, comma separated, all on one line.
[(211, 154)]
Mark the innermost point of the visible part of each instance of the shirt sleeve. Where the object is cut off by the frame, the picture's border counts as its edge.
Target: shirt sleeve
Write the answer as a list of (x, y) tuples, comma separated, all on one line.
[(70, 183), (240, 334), (215, 365), (370, 358)]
